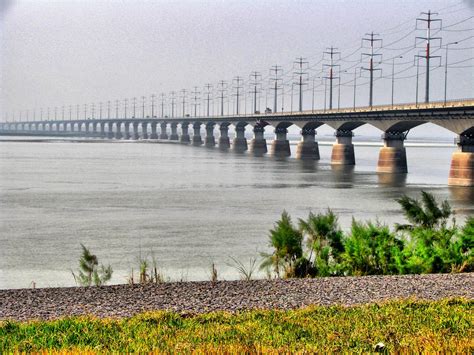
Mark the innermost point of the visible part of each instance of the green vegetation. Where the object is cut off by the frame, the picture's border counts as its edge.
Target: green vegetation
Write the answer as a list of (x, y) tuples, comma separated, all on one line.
[(318, 247), (401, 326), (89, 271)]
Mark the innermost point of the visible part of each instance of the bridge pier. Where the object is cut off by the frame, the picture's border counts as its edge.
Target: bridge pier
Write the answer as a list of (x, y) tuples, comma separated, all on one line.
[(393, 156), (461, 172), (110, 130), (174, 132), (280, 145), (197, 140), (210, 141), (144, 130), (258, 145), (343, 149), (153, 134), (239, 143), (163, 134), (308, 148), (94, 128), (102, 130), (184, 133), (126, 129), (224, 141), (135, 135), (118, 130)]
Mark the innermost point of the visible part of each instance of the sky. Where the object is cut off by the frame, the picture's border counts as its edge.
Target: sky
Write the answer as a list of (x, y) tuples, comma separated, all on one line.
[(62, 53)]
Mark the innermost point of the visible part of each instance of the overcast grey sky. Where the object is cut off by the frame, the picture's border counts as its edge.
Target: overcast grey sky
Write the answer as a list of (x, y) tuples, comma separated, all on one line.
[(58, 53)]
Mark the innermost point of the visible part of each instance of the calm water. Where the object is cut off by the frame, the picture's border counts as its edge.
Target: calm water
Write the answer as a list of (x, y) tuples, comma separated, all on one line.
[(191, 206)]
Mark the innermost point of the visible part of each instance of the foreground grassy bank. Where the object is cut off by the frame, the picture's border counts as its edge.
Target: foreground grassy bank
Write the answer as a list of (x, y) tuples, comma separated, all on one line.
[(441, 326)]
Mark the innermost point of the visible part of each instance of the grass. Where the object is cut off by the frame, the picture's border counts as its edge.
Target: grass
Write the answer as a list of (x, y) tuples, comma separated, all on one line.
[(414, 326)]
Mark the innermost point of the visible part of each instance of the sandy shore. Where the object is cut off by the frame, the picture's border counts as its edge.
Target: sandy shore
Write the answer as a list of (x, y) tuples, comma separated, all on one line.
[(194, 297)]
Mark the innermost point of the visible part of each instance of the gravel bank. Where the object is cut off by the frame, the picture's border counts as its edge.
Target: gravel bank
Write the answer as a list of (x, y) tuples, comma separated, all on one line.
[(125, 300)]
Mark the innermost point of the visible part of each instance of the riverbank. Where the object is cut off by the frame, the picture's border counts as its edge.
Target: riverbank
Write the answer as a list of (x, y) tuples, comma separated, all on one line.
[(200, 297)]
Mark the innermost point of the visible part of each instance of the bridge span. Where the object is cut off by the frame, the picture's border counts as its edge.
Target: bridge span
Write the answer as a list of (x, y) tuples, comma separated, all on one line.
[(394, 121)]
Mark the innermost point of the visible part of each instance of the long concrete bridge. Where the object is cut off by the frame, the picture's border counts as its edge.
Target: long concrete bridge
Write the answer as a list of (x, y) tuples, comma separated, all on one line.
[(394, 121)]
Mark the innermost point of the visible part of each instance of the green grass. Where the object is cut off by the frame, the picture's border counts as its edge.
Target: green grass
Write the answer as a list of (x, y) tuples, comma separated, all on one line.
[(441, 326)]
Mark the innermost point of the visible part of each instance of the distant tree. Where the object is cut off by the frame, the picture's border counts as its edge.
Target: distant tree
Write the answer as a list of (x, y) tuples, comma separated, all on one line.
[(89, 271)]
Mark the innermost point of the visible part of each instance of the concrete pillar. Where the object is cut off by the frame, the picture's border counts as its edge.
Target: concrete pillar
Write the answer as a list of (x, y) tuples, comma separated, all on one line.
[(50, 127), (393, 156), (224, 142), (94, 128), (110, 130), (210, 141), (462, 163), (102, 130), (197, 140), (118, 130), (163, 134), (57, 127), (280, 145), (240, 142), (135, 135), (174, 132), (343, 149), (145, 130), (126, 129), (153, 134), (308, 148), (184, 133), (258, 145)]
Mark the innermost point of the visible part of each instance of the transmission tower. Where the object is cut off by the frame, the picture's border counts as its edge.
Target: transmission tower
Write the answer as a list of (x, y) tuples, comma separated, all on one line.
[(143, 106), (195, 97), (237, 86), (332, 58), (184, 94), (427, 19), (301, 67), (173, 102), (152, 105), (276, 84), (208, 88), (163, 99), (255, 78), (222, 89), (372, 42)]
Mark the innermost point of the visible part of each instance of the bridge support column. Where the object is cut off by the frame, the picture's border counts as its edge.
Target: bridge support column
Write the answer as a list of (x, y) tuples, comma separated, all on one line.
[(102, 130), (184, 133), (239, 143), (308, 148), (210, 141), (118, 130), (224, 141), (57, 127), (343, 149), (163, 134), (174, 132), (258, 145), (280, 146), (393, 156), (197, 140), (110, 130), (135, 135), (462, 163), (127, 130), (144, 130), (153, 134), (86, 130), (94, 128)]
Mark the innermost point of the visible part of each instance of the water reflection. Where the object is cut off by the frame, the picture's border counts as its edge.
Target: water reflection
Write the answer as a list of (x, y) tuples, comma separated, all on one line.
[(343, 175), (462, 195), (392, 180)]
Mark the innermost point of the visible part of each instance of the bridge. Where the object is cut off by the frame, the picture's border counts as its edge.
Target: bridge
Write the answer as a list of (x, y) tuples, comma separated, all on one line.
[(394, 121)]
